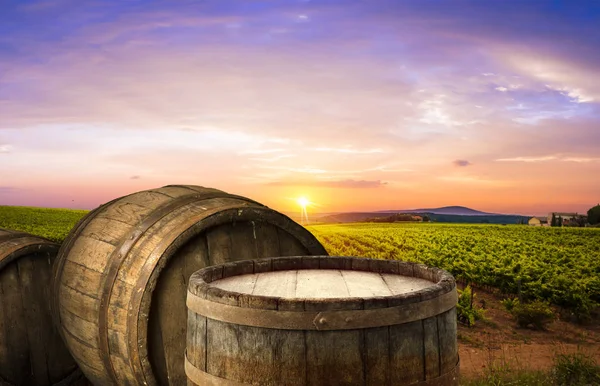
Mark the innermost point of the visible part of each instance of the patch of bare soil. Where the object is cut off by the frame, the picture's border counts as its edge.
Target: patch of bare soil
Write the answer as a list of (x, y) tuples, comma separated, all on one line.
[(498, 340)]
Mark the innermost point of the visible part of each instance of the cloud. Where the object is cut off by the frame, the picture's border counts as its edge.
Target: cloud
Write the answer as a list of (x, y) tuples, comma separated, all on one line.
[(342, 184), (272, 159), (261, 151), (134, 177), (5, 149), (461, 163), (306, 169), (348, 151), (576, 80), (7, 189), (581, 159), (528, 159), (475, 180), (550, 158)]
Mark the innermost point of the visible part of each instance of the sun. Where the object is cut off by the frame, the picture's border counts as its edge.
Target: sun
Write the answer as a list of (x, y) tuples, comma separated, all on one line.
[(303, 202)]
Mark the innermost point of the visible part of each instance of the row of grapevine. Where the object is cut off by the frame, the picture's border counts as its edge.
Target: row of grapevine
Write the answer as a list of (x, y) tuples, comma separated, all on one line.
[(561, 265)]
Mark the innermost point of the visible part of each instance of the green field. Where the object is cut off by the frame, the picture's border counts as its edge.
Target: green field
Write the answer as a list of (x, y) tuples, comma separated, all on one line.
[(561, 265), (53, 224)]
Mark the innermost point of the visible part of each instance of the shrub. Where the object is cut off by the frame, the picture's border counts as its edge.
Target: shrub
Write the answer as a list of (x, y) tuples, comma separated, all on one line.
[(466, 312), (537, 313), (509, 303), (575, 369)]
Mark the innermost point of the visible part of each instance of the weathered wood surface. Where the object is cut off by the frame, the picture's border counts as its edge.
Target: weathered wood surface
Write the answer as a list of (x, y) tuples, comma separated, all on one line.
[(420, 352), (122, 275), (31, 350), (322, 283)]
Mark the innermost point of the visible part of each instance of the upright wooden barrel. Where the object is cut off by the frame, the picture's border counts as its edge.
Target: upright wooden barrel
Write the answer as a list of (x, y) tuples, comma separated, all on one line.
[(31, 350), (321, 321), (122, 274)]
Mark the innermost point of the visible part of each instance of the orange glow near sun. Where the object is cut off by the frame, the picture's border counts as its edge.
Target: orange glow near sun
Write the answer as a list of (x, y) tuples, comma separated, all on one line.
[(303, 202)]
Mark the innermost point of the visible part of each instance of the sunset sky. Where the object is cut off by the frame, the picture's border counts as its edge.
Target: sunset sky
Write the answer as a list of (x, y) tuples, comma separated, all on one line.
[(356, 105)]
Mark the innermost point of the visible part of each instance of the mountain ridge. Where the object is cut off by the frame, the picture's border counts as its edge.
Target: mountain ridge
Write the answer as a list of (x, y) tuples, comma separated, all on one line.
[(457, 210)]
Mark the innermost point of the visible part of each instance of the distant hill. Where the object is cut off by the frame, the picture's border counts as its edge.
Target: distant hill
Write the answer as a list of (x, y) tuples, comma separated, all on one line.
[(480, 218), (446, 214), (452, 210)]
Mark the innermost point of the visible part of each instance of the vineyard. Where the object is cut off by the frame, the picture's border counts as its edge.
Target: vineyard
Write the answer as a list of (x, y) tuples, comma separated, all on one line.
[(561, 265)]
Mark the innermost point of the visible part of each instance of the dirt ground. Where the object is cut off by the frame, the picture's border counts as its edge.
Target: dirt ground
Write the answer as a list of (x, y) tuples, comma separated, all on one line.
[(499, 340)]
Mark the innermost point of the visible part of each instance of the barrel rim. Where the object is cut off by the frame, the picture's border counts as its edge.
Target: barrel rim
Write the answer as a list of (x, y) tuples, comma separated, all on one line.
[(28, 244), (199, 283)]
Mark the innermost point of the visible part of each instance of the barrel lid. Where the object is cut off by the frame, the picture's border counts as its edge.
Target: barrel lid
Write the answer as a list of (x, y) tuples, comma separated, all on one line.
[(322, 284)]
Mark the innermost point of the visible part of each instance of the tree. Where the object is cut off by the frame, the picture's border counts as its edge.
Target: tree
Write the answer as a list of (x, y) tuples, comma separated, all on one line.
[(559, 222), (553, 222), (426, 218), (594, 215)]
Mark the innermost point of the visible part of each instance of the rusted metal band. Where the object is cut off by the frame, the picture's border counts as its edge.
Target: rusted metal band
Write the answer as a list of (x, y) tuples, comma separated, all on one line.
[(120, 253), (323, 320), (135, 339), (203, 378)]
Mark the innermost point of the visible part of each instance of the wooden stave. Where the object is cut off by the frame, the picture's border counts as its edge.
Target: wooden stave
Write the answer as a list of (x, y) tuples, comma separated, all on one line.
[(446, 374), (146, 376), (25, 245)]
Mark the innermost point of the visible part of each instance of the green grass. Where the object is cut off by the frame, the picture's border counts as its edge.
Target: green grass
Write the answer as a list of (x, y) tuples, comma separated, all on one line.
[(576, 369), (53, 224)]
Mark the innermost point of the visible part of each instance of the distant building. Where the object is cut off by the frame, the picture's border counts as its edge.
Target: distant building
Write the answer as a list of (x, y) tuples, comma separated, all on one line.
[(538, 221), (566, 217)]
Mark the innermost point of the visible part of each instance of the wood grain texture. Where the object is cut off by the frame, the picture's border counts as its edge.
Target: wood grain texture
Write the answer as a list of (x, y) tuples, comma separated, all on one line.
[(321, 283), (31, 349), (418, 352), (122, 275)]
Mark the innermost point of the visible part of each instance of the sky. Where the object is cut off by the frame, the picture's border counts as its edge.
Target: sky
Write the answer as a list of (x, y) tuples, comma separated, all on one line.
[(355, 105)]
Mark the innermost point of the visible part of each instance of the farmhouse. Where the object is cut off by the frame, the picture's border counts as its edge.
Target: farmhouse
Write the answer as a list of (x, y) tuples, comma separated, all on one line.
[(567, 217), (538, 221)]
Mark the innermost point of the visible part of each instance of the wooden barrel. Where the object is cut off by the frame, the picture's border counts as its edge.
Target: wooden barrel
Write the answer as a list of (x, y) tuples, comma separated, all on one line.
[(321, 321), (122, 273), (31, 349)]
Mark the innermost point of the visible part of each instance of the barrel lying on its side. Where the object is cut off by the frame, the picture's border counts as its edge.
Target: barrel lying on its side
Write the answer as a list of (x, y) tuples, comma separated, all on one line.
[(122, 273), (31, 350), (321, 321)]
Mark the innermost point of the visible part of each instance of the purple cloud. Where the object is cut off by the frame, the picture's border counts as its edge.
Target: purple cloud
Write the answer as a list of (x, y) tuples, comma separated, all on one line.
[(461, 163), (344, 184)]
